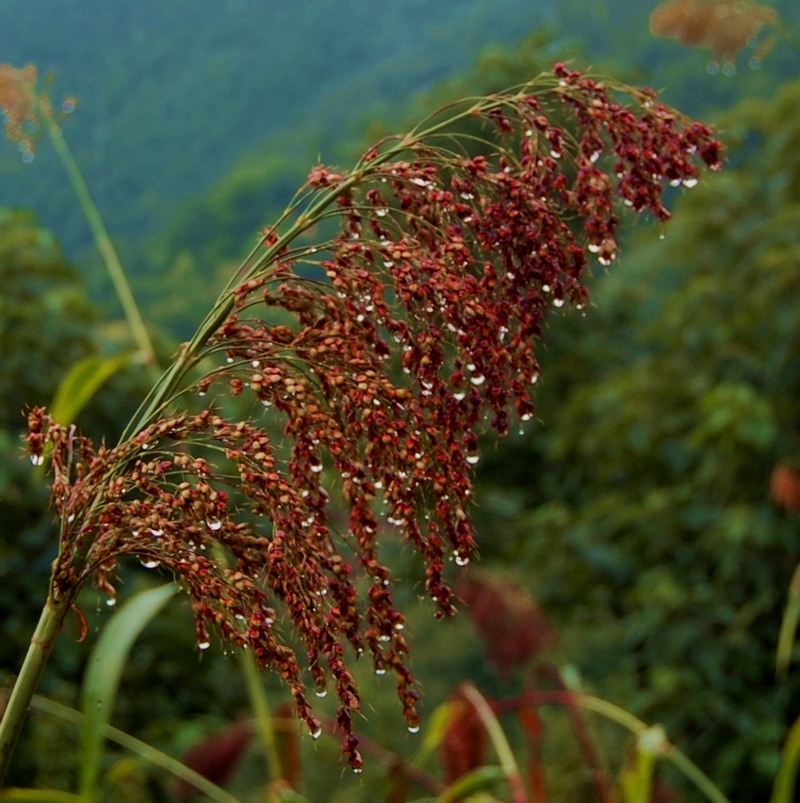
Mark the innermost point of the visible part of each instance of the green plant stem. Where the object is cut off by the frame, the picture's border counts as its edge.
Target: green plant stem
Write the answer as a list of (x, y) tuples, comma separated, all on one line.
[(619, 715), (680, 760), (501, 745), (30, 674), (262, 716), (114, 267)]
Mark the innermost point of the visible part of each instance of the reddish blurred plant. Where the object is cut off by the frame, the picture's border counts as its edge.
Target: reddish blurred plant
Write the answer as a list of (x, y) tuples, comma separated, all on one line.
[(725, 27), (508, 621), (385, 350), (18, 103), (465, 742), (784, 487)]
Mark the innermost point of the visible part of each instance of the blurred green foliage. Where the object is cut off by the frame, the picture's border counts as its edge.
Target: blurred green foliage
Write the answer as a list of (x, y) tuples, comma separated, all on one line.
[(636, 512)]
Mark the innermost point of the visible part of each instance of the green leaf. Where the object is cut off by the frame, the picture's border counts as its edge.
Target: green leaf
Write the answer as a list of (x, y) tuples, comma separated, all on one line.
[(435, 729), (475, 781), (81, 383), (103, 673), (17, 795), (784, 789), (791, 617)]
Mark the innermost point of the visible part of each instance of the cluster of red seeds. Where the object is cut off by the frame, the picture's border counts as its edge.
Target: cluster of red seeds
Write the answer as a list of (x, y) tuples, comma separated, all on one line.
[(384, 371)]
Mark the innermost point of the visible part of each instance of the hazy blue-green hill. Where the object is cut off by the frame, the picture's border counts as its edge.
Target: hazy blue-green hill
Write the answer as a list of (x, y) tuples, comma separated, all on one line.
[(171, 93)]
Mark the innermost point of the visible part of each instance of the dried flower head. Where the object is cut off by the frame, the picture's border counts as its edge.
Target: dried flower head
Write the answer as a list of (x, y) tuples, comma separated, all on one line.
[(724, 27), (382, 352), (18, 103)]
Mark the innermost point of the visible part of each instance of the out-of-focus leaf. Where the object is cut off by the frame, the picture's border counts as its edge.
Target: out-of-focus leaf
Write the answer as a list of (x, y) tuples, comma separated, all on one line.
[(81, 383), (103, 673), (436, 727), (791, 617), (475, 781), (785, 782)]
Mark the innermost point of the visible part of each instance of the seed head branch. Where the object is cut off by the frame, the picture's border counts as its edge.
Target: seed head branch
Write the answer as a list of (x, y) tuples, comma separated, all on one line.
[(383, 352)]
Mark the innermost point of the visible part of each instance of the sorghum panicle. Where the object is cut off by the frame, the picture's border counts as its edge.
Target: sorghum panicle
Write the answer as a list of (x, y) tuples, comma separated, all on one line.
[(384, 352)]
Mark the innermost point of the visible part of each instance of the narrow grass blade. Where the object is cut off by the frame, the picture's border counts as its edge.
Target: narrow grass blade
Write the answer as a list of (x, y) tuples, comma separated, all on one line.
[(137, 747), (786, 780), (478, 780), (791, 617), (102, 676)]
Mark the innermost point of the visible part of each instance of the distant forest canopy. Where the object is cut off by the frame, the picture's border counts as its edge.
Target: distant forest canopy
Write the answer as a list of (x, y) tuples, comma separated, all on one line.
[(171, 94), (196, 120)]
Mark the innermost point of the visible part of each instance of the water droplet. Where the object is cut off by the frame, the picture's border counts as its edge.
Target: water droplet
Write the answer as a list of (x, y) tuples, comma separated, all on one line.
[(229, 360), (472, 459), (413, 728), (266, 402), (689, 183), (255, 363), (315, 734), (526, 416), (213, 524), (203, 645), (558, 302), (478, 379), (156, 532), (546, 287), (316, 467), (111, 602), (729, 69), (150, 564), (381, 212), (380, 671), (37, 459), (321, 693), (712, 68), (357, 770), (461, 560), (399, 626), (459, 396)]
